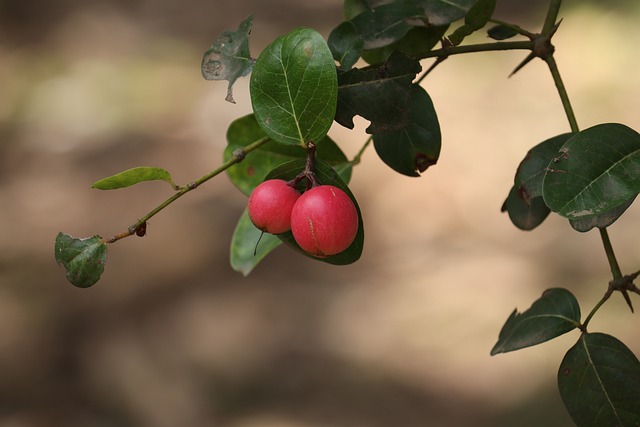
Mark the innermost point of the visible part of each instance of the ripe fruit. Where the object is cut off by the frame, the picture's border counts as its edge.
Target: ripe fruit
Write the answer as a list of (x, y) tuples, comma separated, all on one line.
[(324, 221), (270, 206)]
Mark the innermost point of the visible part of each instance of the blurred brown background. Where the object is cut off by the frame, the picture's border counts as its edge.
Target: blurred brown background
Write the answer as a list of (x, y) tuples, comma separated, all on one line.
[(171, 336)]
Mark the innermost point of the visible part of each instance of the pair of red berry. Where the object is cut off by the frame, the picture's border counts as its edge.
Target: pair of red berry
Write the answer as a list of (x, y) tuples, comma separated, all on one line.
[(323, 219)]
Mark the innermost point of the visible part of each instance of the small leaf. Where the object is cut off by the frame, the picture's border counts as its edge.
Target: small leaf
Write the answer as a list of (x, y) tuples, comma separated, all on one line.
[(555, 313), (600, 221), (417, 41), (379, 94), (346, 45), (326, 175), (134, 176), (501, 32), (247, 174), (526, 215), (599, 381), (294, 88), (249, 245), (478, 16), (388, 23), (229, 58), (415, 147), (595, 171), (83, 259)]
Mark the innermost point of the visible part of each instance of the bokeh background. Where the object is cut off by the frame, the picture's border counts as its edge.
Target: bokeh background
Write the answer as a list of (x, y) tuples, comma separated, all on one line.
[(171, 336)]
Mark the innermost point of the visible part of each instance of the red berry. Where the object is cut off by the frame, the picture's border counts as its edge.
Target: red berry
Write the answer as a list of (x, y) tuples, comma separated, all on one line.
[(270, 206), (324, 221)]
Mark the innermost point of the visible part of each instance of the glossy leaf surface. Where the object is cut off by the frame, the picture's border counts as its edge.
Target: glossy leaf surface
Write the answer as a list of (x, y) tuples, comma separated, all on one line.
[(555, 313), (133, 176), (326, 175), (379, 94), (388, 23), (599, 381), (294, 88), (600, 221), (412, 149), (229, 58), (595, 171), (443, 12), (83, 259), (247, 174), (249, 245)]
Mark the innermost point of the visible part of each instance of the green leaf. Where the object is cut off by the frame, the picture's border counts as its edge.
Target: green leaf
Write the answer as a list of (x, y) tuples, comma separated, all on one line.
[(346, 45), (501, 32), (326, 175), (134, 176), (555, 313), (294, 88), (249, 245), (599, 381), (83, 259), (443, 12), (386, 24), (379, 94), (478, 16), (353, 8), (600, 221), (526, 215), (417, 41), (532, 168), (595, 171), (247, 174), (415, 147), (229, 58)]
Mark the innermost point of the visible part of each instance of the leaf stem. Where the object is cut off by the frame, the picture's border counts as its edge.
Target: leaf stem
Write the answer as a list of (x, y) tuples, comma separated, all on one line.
[(237, 156), (358, 157)]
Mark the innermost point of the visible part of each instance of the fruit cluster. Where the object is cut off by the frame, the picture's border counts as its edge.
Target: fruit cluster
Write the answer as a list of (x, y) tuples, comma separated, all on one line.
[(323, 219)]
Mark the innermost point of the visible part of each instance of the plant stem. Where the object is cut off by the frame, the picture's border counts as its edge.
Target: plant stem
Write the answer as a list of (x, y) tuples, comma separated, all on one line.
[(480, 47), (357, 158), (562, 91), (604, 299), (611, 256), (237, 156), (552, 16)]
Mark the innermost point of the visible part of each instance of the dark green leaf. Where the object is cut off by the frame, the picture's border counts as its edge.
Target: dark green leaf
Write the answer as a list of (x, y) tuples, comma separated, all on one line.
[(531, 170), (326, 175), (526, 215), (83, 259), (387, 24), (478, 16), (415, 147), (417, 41), (346, 45), (353, 8), (294, 88), (555, 313), (229, 58), (599, 381), (249, 245), (247, 174), (379, 94), (501, 32), (595, 171), (600, 221), (443, 12), (133, 176)]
